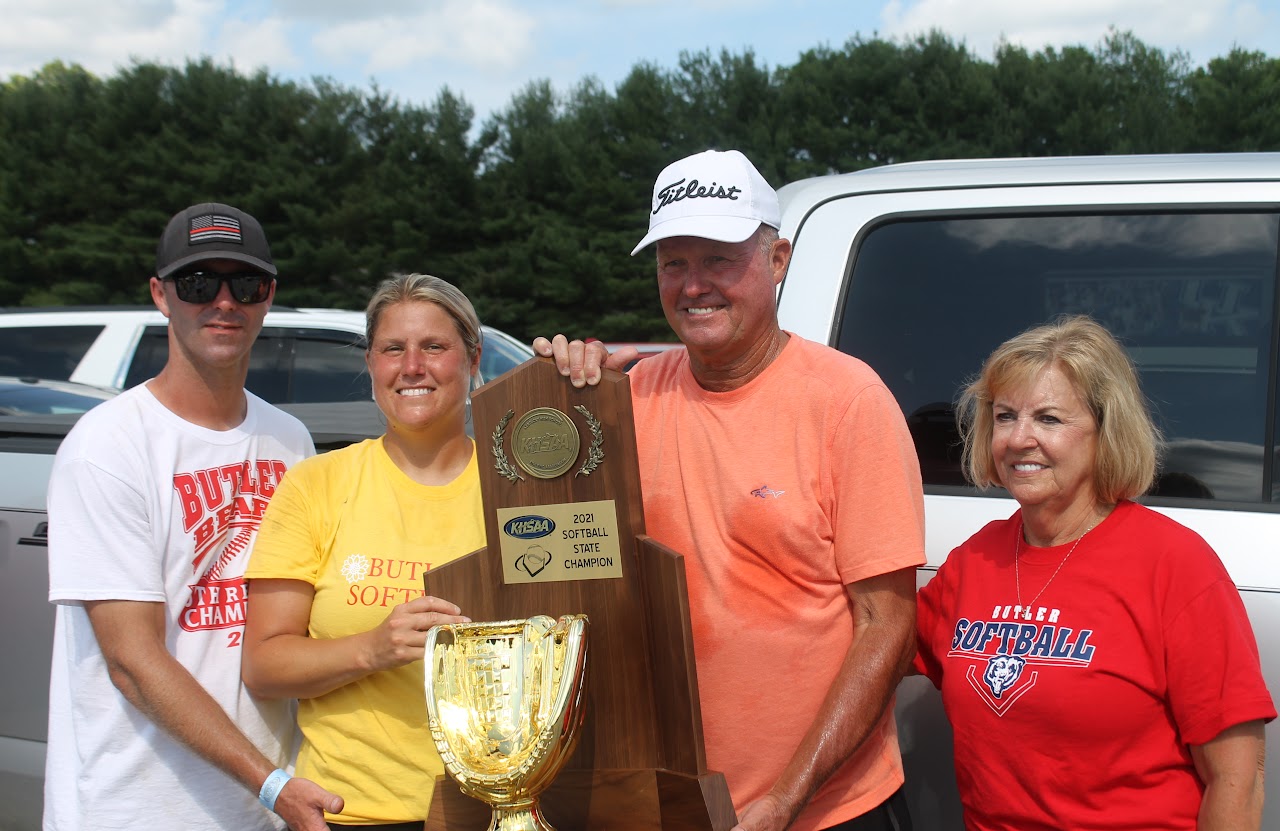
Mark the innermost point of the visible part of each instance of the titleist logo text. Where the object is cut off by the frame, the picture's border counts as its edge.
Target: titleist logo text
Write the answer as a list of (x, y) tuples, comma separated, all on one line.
[(676, 191)]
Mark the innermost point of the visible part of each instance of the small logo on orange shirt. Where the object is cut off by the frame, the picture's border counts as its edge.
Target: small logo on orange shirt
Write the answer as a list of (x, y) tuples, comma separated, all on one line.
[(766, 492)]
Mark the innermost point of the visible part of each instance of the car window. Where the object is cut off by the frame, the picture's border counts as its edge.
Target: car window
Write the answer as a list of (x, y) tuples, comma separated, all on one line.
[(287, 365), (1275, 454), (500, 353), (268, 376), (268, 364), (149, 357), (329, 366), (51, 352), (31, 397), (1192, 297)]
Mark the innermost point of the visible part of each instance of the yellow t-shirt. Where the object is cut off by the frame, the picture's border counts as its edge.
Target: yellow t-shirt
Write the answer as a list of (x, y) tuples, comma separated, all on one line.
[(359, 530)]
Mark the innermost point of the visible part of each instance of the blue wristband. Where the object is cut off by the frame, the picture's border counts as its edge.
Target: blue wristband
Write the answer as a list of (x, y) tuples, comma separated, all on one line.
[(272, 787)]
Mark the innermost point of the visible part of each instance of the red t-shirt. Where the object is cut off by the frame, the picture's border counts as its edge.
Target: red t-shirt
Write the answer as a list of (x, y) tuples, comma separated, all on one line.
[(1080, 717), (779, 494)]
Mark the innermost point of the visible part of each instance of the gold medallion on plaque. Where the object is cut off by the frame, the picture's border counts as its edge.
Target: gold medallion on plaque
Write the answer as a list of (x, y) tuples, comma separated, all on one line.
[(545, 442)]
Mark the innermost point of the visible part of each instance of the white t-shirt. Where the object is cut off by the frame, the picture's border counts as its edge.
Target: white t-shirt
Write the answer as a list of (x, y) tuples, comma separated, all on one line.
[(146, 506)]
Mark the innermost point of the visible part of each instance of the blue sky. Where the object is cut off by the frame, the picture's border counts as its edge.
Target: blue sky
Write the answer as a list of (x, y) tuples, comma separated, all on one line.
[(487, 50)]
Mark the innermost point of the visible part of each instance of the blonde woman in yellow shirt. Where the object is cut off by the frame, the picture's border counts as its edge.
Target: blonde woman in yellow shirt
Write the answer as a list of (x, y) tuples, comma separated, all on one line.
[(337, 618)]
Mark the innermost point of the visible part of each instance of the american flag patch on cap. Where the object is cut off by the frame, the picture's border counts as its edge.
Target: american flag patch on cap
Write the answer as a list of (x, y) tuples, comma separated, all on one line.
[(215, 228)]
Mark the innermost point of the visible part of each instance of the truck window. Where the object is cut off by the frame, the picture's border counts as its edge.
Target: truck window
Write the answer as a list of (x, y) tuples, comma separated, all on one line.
[(1192, 297), (51, 352)]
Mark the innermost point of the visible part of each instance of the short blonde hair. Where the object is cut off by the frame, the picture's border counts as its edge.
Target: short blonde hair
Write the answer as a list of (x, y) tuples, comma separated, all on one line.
[(1103, 377), (424, 288)]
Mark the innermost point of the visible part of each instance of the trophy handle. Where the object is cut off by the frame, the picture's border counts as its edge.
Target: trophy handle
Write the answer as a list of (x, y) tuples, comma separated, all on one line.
[(569, 699)]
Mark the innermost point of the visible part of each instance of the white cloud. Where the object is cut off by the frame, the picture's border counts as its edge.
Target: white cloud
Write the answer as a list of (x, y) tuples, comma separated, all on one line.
[(256, 45), (482, 34), (1165, 23), (699, 5), (329, 10), (104, 37), (99, 37)]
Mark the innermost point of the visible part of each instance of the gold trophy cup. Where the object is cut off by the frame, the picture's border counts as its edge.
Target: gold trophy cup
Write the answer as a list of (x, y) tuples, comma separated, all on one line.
[(504, 702)]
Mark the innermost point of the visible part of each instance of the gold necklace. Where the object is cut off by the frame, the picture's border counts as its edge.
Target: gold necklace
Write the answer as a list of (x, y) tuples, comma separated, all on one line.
[(1017, 577)]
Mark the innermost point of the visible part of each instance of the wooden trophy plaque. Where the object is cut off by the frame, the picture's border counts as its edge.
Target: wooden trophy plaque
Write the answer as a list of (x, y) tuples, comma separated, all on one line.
[(565, 528)]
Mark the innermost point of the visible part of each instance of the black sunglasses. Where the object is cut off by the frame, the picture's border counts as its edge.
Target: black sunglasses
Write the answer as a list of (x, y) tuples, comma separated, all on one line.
[(202, 286)]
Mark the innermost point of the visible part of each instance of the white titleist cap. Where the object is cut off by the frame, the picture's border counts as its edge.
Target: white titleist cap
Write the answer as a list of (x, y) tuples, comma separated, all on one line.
[(714, 195)]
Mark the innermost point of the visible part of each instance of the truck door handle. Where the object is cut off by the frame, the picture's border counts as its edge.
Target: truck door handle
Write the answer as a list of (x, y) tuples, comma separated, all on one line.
[(38, 537)]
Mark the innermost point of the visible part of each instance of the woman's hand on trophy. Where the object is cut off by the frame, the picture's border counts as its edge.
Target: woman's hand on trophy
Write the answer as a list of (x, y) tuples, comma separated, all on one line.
[(400, 638), (581, 361), (282, 660)]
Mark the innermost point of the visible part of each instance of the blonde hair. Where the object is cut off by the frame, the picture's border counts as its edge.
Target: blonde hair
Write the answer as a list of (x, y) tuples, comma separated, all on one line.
[(424, 288), (1102, 375)]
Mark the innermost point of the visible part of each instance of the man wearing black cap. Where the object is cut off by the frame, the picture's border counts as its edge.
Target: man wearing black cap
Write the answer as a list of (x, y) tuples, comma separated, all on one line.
[(154, 503), (784, 471)]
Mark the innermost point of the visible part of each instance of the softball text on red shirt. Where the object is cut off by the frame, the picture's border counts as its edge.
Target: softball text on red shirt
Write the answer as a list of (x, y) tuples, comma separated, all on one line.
[(1014, 639)]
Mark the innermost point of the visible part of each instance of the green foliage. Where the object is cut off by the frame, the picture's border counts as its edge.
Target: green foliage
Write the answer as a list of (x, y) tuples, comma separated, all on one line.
[(876, 102), (533, 212), (1234, 104)]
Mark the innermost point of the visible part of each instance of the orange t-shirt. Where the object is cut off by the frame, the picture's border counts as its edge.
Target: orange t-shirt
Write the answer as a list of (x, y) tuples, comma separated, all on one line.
[(779, 494)]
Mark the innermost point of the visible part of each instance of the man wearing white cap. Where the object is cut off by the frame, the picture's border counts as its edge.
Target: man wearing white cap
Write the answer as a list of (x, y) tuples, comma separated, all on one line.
[(784, 471)]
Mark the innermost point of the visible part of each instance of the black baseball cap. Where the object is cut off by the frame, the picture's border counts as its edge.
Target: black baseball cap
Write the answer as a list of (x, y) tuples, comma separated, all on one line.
[(212, 231)]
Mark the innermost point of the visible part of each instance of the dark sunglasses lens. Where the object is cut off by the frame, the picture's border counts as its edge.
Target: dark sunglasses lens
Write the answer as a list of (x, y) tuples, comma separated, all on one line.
[(197, 286), (250, 288), (203, 286)]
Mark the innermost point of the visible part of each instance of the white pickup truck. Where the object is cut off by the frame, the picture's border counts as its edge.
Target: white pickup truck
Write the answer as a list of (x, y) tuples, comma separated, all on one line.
[(921, 270)]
